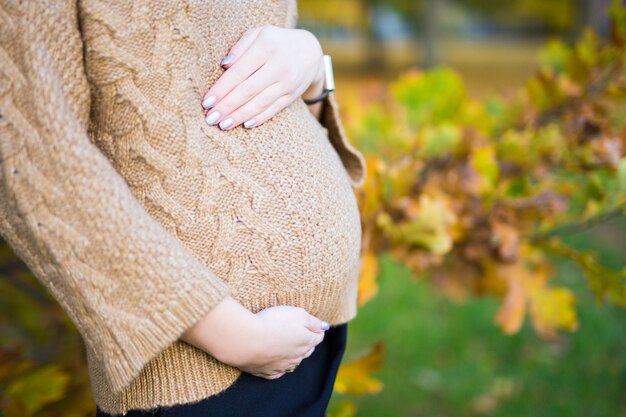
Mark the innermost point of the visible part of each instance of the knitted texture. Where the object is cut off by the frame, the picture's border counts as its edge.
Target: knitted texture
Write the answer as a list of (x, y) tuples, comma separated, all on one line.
[(136, 215)]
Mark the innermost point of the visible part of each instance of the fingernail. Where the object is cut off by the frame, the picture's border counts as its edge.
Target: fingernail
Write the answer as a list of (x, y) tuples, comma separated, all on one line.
[(325, 326), (213, 117), (227, 59), (249, 123), (209, 101), (226, 123)]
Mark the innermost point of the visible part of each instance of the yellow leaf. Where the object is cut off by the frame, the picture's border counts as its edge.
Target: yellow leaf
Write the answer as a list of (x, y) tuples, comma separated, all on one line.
[(429, 225), (368, 286), (354, 377), (483, 160), (552, 309)]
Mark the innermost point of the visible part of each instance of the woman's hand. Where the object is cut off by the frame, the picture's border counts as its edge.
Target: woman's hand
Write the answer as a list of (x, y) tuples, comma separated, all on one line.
[(288, 336), (264, 344), (266, 70)]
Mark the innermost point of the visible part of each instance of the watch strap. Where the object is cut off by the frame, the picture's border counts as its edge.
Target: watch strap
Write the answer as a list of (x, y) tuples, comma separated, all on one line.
[(329, 81)]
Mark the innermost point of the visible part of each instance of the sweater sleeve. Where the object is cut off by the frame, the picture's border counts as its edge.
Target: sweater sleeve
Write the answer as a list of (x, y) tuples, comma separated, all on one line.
[(128, 285), (352, 159)]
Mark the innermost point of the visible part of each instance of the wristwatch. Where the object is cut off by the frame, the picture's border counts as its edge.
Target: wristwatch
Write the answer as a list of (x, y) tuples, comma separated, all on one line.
[(329, 81)]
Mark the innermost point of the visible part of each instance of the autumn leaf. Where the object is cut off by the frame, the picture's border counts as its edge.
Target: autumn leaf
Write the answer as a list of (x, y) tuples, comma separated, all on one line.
[(484, 161), (552, 309), (428, 225), (38, 388), (512, 311), (354, 377), (345, 408), (506, 238), (368, 287)]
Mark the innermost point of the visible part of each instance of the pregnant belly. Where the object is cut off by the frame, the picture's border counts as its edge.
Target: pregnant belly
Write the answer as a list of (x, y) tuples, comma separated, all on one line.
[(296, 224)]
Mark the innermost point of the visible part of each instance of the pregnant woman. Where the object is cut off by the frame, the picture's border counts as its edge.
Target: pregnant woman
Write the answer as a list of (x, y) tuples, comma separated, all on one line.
[(162, 175)]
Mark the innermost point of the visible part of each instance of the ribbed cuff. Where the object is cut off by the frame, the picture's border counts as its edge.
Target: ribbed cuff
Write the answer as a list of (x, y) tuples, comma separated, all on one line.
[(155, 333)]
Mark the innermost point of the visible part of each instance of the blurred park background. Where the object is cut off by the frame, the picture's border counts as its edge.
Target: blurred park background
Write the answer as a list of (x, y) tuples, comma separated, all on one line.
[(444, 354), (494, 269), (493, 45)]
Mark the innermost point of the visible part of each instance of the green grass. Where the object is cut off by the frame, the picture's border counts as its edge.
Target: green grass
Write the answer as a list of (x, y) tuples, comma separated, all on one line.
[(449, 359)]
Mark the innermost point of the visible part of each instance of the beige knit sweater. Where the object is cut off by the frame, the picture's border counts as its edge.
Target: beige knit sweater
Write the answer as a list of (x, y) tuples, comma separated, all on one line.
[(139, 217)]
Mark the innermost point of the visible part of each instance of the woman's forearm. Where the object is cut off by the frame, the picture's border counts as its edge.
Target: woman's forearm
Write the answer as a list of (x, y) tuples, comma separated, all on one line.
[(228, 320)]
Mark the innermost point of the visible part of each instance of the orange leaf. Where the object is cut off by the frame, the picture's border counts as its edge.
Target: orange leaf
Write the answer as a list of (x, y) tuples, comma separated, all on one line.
[(368, 287), (510, 316)]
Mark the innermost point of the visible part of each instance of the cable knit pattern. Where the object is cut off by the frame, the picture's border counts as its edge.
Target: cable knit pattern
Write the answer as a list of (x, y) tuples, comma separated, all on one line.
[(136, 215)]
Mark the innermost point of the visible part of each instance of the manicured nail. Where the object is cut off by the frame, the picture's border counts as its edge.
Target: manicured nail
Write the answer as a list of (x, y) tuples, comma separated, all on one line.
[(213, 117), (249, 123), (209, 101), (325, 326), (226, 123), (227, 59)]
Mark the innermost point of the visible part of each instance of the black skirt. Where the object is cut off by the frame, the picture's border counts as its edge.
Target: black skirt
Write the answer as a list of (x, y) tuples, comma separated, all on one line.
[(304, 392)]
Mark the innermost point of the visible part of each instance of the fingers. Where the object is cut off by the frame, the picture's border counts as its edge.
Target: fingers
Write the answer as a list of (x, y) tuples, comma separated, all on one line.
[(237, 51), (282, 102), (284, 366), (238, 72), (253, 88), (240, 47), (317, 325), (319, 338), (257, 93), (310, 352), (261, 108), (268, 375)]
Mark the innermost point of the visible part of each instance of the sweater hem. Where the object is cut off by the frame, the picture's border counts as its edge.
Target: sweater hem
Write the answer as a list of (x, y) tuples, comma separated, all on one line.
[(184, 374)]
